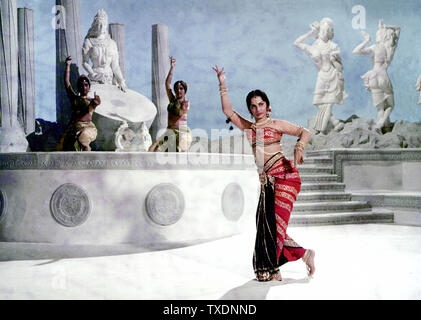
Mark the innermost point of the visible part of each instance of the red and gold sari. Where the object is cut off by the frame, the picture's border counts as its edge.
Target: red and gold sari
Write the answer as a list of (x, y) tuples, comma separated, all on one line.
[(279, 190)]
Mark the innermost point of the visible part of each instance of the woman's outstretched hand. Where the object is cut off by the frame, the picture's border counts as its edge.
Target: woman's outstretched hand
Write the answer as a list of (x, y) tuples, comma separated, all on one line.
[(172, 61), (220, 74), (298, 157), (96, 100)]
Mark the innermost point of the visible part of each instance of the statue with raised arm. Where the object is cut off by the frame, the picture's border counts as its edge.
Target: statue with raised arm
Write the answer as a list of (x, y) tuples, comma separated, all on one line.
[(102, 51), (329, 89), (377, 80)]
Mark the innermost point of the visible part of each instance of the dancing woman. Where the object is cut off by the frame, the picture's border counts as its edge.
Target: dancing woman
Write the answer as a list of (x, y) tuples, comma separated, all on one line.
[(279, 179), (177, 137), (81, 131)]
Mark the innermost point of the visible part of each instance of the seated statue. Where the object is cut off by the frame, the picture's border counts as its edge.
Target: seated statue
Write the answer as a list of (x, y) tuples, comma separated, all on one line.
[(103, 52), (119, 104)]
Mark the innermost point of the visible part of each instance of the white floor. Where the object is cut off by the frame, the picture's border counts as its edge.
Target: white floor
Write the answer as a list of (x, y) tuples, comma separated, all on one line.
[(368, 261)]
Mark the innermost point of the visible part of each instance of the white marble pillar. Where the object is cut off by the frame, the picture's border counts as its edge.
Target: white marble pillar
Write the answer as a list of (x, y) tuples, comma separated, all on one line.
[(26, 96), (160, 68), (118, 34), (12, 137), (68, 43)]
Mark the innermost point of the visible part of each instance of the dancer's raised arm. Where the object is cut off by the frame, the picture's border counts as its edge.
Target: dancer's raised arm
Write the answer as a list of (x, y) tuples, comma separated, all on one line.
[(227, 109), (70, 92), (168, 80)]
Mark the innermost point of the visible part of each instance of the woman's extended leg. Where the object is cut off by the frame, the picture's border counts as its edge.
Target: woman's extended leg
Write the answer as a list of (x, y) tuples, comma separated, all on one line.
[(286, 192), (308, 259)]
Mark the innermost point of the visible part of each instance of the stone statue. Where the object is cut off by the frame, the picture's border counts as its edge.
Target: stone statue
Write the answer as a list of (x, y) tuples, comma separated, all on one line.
[(329, 88), (127, 140), (120, 106), (99, 48), (377, 80), (418, 88)]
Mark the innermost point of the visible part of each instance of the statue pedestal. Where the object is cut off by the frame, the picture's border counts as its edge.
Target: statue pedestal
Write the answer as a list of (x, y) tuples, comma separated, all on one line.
[(13, 140), (148, 199), (119, 117)]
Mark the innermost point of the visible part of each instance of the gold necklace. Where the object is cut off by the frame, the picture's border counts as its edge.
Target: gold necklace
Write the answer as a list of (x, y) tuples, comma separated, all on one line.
[(262, 123)]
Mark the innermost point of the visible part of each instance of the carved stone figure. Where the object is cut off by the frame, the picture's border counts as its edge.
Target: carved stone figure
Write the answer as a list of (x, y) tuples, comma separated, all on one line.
[(329, 88), (102, 51), (117, 101), (377, 80), (128, 140)]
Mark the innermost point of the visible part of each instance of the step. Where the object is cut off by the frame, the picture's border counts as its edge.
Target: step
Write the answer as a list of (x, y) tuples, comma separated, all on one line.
[(329, 186), (319, 161), (319, 177), (319, 153), (341, 218), (392, 199), (329, 206), (323, 196), (310, 169)]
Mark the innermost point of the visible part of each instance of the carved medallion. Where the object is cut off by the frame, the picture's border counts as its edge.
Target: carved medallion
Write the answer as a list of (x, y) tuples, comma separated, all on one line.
[(233, 202), (165, 204), (70, 205), (3, 205)]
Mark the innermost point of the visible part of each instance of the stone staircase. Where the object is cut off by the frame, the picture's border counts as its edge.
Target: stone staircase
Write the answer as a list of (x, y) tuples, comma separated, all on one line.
[(323, 199)]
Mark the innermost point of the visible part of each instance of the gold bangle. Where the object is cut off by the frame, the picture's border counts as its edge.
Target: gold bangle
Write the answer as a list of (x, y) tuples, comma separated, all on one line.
[(223, 91), (299, 146)]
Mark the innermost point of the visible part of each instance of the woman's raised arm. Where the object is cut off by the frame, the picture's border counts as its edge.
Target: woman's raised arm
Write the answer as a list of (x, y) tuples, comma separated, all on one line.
[(227, 109), (168, 80), (70, 93)]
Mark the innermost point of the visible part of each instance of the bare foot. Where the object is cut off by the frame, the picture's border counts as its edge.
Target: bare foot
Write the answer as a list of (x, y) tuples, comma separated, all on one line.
[(308, 259), (277, 277)]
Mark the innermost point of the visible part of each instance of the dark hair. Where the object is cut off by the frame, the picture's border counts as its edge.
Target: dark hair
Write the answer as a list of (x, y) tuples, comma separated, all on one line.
[(183, 84), (257, 93), (81, 79)]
